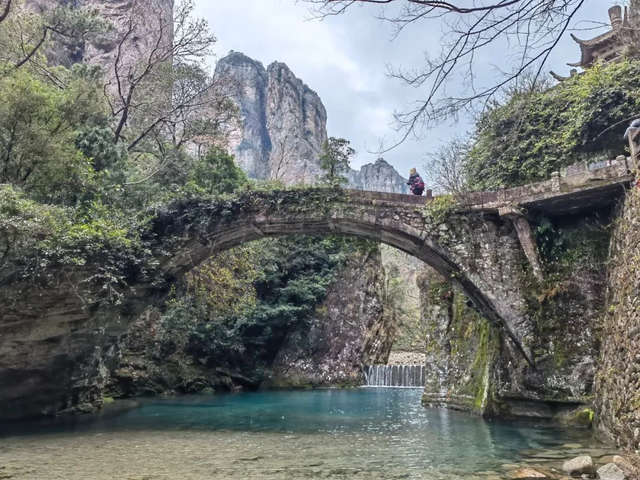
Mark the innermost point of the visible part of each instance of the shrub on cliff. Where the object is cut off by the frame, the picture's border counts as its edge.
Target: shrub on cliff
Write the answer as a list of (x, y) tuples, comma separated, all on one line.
[(534, 133)]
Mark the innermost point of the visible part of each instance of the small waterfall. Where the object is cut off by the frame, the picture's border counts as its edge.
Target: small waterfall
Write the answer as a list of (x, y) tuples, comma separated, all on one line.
[(400, 376)]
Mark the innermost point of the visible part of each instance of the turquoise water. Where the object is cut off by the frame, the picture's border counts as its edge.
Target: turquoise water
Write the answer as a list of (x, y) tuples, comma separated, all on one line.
[(368, 432)]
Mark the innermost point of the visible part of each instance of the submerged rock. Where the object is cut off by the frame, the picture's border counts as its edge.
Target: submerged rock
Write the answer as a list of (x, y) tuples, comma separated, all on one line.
[(526, 474), (611, 472), (582, 465)]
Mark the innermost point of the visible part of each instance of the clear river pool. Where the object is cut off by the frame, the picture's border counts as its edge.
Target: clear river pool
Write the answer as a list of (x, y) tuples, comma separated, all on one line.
[(363, 433)]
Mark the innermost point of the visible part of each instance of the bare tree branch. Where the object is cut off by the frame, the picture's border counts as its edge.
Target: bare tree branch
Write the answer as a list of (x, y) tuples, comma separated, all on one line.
[(5, 11), (523, 33)]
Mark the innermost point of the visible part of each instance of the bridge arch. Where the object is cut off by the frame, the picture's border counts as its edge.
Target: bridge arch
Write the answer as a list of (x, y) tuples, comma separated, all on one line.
[(398, 221)]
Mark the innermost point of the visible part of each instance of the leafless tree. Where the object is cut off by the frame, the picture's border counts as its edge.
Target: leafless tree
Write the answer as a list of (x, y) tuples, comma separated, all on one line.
[(281, 158), (445, 167), (164, 87), (521, 34)]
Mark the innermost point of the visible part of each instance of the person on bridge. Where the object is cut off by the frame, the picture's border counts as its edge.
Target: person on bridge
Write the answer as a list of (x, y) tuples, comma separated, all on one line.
[(632, 126), (416, 185)]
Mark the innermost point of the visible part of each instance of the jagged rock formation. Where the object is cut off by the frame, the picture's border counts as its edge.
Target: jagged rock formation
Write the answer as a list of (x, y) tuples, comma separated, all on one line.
[(296, 121), (252, 146), (378, 177), (349, 332), (284, 128), (283, 121)]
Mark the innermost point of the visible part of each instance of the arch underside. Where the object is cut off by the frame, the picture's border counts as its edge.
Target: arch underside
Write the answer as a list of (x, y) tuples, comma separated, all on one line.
[(397, 234)]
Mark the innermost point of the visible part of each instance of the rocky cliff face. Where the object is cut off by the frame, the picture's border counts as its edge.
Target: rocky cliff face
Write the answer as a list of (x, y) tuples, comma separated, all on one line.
[(348, 332), (296, 121), (379, 177), (151, 21), (283, 121), (284, 125), (251, 146)]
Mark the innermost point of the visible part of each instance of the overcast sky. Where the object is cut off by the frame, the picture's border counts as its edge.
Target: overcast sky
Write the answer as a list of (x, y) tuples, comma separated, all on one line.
[(343, 58)]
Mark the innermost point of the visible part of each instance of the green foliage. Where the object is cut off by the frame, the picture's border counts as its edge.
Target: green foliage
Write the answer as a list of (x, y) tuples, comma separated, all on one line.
[(26, 226), (216, 173), (96, 144), (583, 418), (439, 209), (334, 160), (35, 236), (278, 285), (38, 129), (534, 133), (563, 248)]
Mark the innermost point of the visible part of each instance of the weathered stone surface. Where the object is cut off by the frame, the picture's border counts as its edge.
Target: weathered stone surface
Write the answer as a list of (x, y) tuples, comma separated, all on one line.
[(582, 465), (251, 146), (630, 465), (611, 471), (296, 121), (150, 17), (349, 332), (399, 357), (467, 368), (618, 379)]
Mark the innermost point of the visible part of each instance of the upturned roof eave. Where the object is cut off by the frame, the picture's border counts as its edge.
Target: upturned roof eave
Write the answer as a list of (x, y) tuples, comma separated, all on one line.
[(587, 47)]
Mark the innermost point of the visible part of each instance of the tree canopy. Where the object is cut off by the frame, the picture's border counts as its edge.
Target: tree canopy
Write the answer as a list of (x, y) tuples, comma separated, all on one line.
[(334, 160)]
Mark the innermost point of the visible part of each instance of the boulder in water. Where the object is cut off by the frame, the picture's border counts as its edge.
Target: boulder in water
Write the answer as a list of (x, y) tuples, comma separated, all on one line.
[(611, 472), (626, 466), (582, 465)]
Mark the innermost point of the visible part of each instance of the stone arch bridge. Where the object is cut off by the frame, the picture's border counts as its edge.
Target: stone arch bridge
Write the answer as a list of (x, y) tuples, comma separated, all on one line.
[(52, 343)]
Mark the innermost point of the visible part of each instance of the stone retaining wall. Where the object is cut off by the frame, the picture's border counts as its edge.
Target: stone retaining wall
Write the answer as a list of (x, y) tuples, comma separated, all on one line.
[(618, 377)]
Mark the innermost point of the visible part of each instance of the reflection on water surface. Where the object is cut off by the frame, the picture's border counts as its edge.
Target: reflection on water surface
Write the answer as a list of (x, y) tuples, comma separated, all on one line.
[(357, 433)]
